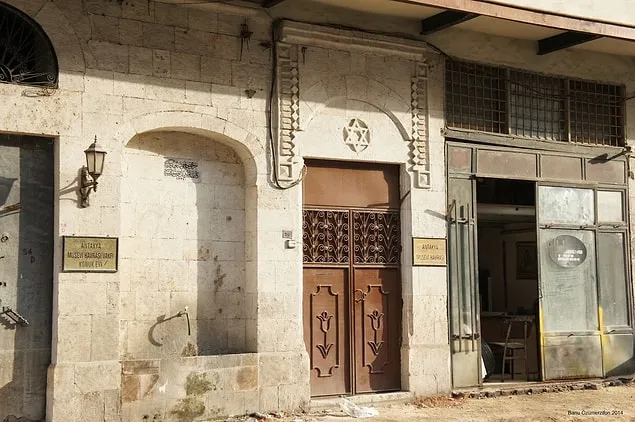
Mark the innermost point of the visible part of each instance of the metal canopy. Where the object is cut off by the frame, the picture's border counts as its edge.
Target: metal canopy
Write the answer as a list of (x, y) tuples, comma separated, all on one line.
[(444, 20), (564, 40)]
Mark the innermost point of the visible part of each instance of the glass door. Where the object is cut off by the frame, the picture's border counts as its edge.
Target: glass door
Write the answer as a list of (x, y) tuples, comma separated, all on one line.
[(568, 288), (465, 339)]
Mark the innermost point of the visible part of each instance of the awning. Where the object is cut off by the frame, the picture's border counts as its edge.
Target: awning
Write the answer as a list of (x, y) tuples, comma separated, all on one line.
[(555, 27)]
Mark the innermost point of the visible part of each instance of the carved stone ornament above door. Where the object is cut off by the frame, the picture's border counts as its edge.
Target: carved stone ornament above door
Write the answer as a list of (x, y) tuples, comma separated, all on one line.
[(293, 39), (357, 135)]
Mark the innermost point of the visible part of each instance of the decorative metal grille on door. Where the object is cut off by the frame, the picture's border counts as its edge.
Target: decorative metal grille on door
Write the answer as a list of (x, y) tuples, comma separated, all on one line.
[(376, 237)]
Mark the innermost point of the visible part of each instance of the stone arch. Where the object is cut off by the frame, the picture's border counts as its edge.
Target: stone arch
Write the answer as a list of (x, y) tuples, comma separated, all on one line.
[(221, 135), (249, 147), (358, 88), (397, 122), (60, 32)]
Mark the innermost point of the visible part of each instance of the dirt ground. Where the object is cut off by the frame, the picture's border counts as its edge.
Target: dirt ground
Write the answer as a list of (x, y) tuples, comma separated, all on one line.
[(606, 404)]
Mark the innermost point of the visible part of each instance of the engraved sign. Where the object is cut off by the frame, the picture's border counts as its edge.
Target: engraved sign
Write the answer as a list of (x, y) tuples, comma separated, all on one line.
[(181, 169), (567, 251), (428, 252), (90, 254)]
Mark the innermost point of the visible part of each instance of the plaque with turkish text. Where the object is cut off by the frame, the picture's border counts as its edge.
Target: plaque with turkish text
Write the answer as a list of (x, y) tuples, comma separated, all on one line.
[(428, 252), (90, 254)]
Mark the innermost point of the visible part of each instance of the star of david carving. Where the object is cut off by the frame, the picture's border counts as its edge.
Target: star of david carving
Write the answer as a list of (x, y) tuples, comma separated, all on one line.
[(357, 135)]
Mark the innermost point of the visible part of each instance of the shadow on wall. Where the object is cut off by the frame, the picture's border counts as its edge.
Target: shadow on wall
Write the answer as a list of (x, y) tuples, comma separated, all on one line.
[(26, 274), (183, 207), (186, 311)]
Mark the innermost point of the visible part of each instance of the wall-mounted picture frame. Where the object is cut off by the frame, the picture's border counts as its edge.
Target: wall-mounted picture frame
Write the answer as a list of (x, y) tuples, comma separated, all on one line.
[(526, 261)]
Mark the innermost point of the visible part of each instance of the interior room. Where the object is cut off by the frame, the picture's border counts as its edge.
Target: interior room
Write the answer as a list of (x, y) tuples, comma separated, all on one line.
[(508, 279)]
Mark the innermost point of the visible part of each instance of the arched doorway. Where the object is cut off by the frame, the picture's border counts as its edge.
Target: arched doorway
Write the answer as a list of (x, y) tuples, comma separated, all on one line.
[(26, 228)]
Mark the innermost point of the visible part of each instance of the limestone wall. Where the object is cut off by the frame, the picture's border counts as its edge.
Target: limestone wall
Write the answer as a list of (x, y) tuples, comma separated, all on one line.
[(155, 81), (183, 217)]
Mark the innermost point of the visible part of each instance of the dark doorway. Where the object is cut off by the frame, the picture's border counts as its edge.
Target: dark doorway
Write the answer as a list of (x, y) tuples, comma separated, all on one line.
[(26, 273), (508, 278)]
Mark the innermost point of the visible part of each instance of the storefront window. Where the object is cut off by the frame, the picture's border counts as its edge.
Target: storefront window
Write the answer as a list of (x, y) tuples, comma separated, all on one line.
[(610, 206), (559, 205), (568, 280), (611, 269)]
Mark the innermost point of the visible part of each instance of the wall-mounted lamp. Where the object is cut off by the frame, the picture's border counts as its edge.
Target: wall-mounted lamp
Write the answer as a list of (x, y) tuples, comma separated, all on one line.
[(95, 156)]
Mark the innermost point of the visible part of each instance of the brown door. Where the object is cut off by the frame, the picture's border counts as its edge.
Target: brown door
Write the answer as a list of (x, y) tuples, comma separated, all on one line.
[(352, 287)]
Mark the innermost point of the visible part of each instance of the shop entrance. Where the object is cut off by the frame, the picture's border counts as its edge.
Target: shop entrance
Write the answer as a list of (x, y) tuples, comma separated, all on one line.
[(508, 279), (352, 285), (538, 269)]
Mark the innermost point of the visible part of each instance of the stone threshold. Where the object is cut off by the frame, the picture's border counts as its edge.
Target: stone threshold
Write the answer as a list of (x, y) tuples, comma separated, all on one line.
[(328, 403), (527, 388)]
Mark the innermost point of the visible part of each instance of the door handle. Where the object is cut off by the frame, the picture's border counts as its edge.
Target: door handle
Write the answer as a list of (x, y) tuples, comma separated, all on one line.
[(14, 316), (363, 296), (466, 337)]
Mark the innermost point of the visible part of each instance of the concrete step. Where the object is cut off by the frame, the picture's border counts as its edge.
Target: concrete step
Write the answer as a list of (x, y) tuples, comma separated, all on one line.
[(327, 403)]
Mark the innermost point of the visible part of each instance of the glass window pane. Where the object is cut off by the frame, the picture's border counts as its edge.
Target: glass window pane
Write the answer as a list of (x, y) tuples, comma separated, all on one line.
[(568, 280), (612, 275), (559, 205), (610, 206)]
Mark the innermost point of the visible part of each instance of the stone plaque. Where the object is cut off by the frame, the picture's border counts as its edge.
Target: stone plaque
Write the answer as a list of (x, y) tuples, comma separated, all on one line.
[(90, 254), (428, 252), (181, 169)]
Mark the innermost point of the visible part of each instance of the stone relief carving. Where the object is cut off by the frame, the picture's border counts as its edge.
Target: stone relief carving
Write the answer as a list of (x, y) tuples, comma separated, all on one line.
[(419, 142), (357, 135), (288, 163)]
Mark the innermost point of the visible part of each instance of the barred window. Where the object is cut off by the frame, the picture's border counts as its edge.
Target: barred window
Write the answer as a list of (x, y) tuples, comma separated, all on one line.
[(537, 106), (596, 113), (476, 97), (525, 104)]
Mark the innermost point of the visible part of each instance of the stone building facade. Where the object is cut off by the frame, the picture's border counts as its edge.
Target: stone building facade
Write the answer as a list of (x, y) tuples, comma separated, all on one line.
[(208, 113)]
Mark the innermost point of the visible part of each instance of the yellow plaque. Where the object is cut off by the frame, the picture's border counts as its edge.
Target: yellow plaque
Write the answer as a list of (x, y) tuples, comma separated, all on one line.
[(428, 252), (90, 254)]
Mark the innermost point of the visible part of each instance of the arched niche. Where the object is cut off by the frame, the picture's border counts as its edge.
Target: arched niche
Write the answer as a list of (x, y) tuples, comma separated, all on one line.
[(183, 245)]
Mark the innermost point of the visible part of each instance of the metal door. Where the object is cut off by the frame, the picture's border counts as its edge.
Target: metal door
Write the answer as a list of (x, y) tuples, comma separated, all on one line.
[(464, 312), (352, 285), (26, 266), (326, 329), (568, 286)]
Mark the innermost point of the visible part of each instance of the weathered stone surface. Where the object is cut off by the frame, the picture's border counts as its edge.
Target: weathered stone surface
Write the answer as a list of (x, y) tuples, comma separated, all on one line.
[(156, 81)]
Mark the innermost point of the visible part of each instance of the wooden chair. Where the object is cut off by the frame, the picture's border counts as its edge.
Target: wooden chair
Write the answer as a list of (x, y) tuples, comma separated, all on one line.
[(511, 346)]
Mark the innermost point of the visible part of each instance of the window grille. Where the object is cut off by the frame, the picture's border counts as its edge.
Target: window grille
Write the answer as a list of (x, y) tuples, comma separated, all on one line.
[(530, 105), (596, 113), (476, 97), (26, 54), (537, 106)]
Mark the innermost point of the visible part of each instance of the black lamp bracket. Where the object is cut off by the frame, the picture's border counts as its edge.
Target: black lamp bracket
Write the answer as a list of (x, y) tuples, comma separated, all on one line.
[(87, 183)]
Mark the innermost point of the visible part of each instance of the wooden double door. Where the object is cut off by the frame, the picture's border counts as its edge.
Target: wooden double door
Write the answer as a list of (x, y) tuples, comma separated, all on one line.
[(352, 285)]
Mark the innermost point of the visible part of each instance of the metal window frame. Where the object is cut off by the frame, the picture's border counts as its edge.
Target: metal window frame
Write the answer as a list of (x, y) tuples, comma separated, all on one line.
[(591, 132)]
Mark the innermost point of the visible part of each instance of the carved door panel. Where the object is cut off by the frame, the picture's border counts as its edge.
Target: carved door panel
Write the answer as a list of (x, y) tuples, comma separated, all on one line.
[(326, 329), (26, 272), (377, 317)]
